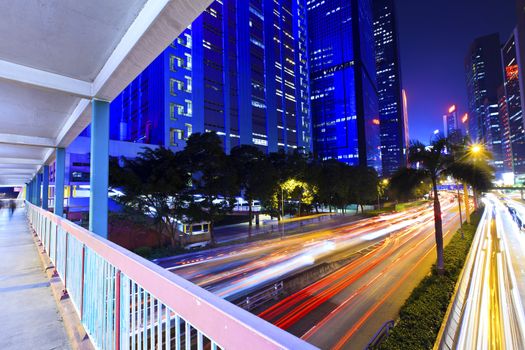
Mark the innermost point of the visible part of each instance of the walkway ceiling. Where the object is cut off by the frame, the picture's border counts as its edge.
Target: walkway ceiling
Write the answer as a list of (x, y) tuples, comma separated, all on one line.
[(55, 56)]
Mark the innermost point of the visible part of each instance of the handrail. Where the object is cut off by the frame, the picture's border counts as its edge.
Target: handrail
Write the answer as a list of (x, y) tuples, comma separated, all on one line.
[(380, 335), (149, 297)]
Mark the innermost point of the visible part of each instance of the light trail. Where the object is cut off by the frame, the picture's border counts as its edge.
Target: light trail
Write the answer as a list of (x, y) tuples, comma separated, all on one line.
[(404, 243), (232, 275), (492, 314)]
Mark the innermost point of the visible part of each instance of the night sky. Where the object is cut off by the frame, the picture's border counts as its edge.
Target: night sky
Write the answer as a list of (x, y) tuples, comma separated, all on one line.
[(435, 36)]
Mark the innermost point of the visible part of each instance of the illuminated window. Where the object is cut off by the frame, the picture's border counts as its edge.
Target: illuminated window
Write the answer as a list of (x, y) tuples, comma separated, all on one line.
[(188, 83), (176, 135), (189, 109), (176, 110), (189, 130), (175, 62), (176, 85)]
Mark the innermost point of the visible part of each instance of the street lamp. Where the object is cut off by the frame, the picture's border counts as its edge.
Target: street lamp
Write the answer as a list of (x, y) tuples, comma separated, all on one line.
[(381, 187), (475, 148)]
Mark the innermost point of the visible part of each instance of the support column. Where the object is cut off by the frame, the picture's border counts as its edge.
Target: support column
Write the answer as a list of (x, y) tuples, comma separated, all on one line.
[(26, 188), (38, 190), (32, 195), (99, 178), (45, 187), (60, 169)]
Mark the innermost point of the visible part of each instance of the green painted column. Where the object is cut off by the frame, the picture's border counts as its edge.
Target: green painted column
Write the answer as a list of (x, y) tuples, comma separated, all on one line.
[(45, 187), (60, 169), (99, 177)]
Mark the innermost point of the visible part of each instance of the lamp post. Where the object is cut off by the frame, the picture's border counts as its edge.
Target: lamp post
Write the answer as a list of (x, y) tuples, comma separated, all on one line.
[(476, 151), (459, 205), (382, 185), (282, 202)]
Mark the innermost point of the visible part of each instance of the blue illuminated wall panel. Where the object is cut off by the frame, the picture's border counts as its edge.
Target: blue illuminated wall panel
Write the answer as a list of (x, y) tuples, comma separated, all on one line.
[(342, 82)]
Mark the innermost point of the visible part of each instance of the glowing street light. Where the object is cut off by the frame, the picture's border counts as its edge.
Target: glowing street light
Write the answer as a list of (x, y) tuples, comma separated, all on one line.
[(476, 148)]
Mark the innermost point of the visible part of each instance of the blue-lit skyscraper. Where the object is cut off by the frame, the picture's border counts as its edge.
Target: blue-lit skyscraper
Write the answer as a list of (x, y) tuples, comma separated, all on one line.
[(343, 81), (514, 104), (393, 147), (483, 77), (240, 70)]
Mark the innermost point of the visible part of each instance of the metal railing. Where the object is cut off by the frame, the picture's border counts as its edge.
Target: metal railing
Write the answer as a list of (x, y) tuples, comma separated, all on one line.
[(127, 302), (380, 335), (255, 300)]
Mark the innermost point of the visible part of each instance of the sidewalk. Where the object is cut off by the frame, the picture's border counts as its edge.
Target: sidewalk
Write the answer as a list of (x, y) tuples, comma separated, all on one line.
[(288, 226), (30, 319)]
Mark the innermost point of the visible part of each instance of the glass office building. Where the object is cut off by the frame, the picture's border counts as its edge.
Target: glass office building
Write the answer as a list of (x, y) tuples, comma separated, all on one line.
[(343, 87), (483, 78), (513, 103), (240, 70), (391, 115)]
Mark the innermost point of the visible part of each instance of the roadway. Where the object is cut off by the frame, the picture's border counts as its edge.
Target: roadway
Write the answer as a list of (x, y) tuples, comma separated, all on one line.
[(349, 305), (487, 312), (233, 272), (345, 309)]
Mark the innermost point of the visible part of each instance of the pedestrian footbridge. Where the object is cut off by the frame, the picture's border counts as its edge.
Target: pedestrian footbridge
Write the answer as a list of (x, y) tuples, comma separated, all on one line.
[(61, 64)]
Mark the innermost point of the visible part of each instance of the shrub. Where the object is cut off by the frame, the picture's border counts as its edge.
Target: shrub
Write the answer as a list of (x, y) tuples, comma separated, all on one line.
[(144, 252)]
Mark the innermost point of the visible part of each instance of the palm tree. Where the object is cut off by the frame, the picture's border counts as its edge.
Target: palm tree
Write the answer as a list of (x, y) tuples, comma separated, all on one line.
[(436, 161)]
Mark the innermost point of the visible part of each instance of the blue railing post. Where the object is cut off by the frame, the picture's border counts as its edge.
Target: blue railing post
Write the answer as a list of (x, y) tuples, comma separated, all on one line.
[(45, 187), (98, 203), (38, 190), (60, 169), (32, 191)]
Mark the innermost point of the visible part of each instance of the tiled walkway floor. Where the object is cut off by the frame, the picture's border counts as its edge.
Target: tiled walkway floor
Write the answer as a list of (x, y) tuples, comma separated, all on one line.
[(29, 318)]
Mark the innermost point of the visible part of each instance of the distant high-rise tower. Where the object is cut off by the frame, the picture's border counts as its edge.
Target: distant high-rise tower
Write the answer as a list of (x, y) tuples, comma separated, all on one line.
[(389, 87), (405, 126), (343, 82), (483, 77), (506, 147), (511, 76), (450, 121)]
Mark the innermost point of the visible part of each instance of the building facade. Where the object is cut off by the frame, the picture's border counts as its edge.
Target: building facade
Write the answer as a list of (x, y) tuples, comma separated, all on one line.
[(343, 87), (389, 87), (514, 103), (483, 78), (506, 147), (451, 123), (240, 70)]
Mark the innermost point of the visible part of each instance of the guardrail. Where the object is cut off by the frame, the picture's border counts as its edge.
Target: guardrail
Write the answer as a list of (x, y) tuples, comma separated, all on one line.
[(127, 302), (255, 300), (380, 335)]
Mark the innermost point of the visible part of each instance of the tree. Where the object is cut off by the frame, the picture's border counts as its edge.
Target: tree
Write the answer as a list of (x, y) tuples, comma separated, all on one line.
[(153, 183), (408, 184), (363, 186), (213, 179), (435, 161), (287, 166), (256, 176), (333, 183)]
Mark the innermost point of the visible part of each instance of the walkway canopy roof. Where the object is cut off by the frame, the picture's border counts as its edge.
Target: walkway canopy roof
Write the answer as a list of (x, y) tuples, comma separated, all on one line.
[(55, 56)]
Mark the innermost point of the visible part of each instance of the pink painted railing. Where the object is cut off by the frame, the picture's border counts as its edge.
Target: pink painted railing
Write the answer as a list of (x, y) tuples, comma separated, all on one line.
[(127, 302)]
